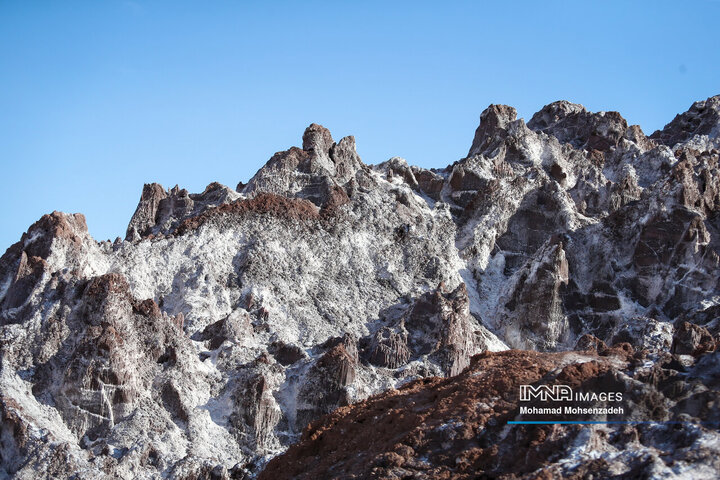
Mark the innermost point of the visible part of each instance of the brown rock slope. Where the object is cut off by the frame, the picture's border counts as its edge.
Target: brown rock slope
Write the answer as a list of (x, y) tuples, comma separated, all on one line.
[(458, 427)]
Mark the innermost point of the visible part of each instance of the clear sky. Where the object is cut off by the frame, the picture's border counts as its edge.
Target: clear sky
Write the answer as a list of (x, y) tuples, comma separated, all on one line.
[(99, 97)]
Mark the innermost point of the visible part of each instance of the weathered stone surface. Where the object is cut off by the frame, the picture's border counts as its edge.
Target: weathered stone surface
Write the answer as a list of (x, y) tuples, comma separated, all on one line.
[(256, 411), (388, 348), (692, 340), (286, 354), (493, 125), (160, 212), (325, 387)]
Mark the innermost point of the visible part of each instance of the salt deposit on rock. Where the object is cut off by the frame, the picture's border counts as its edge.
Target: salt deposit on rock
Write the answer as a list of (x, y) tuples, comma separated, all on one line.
[(227, 321)]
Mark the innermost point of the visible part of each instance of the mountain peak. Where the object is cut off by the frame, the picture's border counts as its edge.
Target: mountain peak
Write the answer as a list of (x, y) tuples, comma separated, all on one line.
[(702, 118), (493, 122), (317, 138)]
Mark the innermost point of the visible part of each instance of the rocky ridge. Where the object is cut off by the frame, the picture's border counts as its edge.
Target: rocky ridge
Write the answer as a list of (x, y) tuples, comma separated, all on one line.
[(227, 321)]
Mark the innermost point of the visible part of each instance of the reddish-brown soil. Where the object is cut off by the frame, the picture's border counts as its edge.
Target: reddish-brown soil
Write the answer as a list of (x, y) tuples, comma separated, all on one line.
[(442, 428), (264, 203)]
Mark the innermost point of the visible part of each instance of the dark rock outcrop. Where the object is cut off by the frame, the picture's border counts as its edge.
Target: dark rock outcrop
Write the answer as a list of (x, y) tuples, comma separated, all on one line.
[(535, 318), (493, 127), (389, 348)]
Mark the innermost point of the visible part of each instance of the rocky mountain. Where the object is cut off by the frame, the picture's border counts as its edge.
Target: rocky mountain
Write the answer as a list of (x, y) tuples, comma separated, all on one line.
[(233, 323)]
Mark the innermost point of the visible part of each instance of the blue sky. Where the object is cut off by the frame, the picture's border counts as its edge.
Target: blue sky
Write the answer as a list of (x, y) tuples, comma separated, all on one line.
[(97, 98)]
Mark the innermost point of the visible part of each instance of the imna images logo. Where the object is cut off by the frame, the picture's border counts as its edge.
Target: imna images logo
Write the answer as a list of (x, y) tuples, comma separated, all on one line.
[(544, 393), (563, 393)]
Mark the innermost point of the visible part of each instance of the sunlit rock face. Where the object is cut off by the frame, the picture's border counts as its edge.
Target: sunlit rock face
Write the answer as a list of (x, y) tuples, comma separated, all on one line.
[(228, 320)]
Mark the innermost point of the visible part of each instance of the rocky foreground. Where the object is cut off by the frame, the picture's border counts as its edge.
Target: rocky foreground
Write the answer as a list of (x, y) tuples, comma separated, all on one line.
[(458, 427), (234, 323)]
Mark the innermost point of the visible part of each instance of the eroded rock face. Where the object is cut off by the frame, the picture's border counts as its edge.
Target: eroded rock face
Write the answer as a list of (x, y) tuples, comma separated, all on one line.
[(531, 312), (230, 319), (439, 326), (146, 213), (326, 382)]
